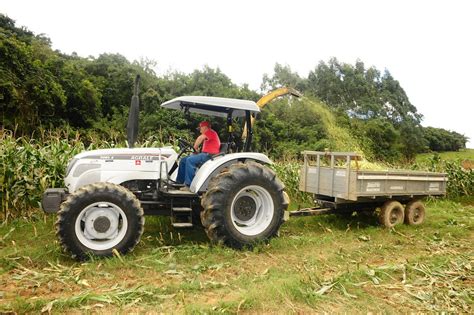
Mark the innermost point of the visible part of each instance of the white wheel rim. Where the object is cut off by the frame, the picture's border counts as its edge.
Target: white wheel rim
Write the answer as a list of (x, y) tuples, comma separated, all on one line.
[(96, 236), (256, 220)]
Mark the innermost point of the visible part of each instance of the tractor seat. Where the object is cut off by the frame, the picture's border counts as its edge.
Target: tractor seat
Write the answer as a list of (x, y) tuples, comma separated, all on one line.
[(222, 151)]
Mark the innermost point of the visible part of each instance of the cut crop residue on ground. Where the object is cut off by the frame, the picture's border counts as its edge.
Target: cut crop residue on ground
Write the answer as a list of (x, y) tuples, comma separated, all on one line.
[(327, 263)]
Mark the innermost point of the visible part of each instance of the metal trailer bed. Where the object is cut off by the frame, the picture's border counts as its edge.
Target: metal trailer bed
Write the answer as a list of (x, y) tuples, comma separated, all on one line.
[(339, 185)]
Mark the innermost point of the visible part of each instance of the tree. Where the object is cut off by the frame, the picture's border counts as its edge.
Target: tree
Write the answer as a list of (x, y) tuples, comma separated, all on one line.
[(43, 87), (30, 94), (438, 139), (364, 93), (282, 76)]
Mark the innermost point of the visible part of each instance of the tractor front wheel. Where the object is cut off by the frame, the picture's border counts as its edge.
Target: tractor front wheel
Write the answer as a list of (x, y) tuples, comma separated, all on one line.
[(98, 218), (244, 205)]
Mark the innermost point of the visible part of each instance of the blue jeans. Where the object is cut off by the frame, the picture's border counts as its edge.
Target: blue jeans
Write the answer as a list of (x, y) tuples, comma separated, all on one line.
[(188, 165)]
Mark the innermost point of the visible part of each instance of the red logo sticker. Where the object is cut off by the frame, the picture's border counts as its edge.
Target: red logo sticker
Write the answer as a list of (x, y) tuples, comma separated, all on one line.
[(138, 162)]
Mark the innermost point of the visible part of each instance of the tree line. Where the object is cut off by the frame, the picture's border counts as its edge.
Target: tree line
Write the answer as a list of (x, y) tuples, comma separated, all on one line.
[(45, 88)]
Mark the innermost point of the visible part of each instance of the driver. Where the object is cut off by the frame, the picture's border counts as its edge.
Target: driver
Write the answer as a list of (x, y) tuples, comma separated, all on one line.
[(210, 145)]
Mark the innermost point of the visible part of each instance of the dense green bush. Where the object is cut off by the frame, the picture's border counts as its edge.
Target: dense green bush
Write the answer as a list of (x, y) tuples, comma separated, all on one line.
[(441, 140), (461, 181)]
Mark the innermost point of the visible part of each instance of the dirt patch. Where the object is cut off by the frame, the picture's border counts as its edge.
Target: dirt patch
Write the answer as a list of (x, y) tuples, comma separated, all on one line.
[(468, 164)]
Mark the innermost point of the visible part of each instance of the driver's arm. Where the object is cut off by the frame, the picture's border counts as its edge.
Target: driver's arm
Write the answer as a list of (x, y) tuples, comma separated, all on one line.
[(198, 142)]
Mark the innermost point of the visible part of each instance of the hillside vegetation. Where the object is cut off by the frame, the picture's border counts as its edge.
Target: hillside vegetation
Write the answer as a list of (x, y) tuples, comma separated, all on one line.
[(41, 88)]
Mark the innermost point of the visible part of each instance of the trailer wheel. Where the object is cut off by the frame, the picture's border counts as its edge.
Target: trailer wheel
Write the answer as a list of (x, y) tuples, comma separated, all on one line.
[(414, 213), (243, 205), (98, 218), (391, 213)]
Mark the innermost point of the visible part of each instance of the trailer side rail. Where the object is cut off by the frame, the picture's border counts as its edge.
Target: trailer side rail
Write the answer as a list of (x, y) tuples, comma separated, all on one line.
[(331, 174)]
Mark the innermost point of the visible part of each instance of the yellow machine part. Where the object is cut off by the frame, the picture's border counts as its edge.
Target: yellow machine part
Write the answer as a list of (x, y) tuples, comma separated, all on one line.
[(264, 100)]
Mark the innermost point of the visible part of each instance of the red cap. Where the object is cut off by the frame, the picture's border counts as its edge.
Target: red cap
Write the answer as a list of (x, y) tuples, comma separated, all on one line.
[(204, 124)]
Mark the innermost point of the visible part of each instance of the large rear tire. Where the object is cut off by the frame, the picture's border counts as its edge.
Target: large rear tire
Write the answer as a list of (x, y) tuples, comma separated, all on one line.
[(98, 218), (244, 205)]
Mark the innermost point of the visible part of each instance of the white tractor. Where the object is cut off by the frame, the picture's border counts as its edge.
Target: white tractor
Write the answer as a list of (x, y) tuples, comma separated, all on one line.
[(236, 197)]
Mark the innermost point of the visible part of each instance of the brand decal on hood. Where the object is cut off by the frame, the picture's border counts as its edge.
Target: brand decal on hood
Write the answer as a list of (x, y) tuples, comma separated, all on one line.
[(144, 157)]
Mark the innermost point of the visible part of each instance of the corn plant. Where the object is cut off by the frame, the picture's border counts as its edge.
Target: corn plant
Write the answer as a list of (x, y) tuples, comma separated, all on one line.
[(289, 173), (460, 179), (29, 165)]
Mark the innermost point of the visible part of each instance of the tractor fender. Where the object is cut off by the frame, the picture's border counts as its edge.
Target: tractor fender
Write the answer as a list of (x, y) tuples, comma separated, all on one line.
[(214, 166)]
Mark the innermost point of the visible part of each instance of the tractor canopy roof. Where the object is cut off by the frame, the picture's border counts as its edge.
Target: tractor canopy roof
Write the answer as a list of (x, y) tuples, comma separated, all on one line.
[(212, 106)]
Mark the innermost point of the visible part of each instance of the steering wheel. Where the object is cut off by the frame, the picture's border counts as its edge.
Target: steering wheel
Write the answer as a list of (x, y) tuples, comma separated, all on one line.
[(185, 146)]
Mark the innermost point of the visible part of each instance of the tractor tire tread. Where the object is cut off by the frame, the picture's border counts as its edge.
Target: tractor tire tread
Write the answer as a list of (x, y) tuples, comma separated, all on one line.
[(386, 212), (215, 199), (409, 212)]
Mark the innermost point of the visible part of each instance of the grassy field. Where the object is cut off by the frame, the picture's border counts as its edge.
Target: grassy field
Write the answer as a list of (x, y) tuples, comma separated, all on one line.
[(324, 264), (465, 154)]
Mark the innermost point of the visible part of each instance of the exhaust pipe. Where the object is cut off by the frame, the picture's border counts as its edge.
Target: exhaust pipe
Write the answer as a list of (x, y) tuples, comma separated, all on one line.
[(132, 124)]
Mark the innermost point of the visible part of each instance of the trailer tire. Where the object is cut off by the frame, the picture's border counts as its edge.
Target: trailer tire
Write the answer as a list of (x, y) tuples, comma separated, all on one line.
[(415, 213), (244, 205), (391, 213), (98, 218)]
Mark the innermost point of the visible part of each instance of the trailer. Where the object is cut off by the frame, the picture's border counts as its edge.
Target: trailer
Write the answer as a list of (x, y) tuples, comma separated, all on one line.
[(340, 186)]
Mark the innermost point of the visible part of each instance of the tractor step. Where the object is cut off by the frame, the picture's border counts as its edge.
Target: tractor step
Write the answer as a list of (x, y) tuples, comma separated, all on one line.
[(182, 209), (177, 193), (173, 184), (182, 217), (182, 224)]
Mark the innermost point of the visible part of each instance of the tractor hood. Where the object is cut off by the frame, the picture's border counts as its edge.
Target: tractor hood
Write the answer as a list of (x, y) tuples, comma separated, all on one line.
[(127, 154), (118, 165)]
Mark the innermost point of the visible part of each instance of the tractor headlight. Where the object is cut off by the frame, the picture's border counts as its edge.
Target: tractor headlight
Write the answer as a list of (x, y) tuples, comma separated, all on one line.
[(70, 165)]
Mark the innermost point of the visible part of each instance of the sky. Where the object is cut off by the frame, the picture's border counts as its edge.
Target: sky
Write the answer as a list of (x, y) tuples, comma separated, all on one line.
[(427, 46)]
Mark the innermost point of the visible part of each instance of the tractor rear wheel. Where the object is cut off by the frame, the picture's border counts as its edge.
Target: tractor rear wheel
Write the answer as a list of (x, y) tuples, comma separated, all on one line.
[(98, 218), (244, 205)]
